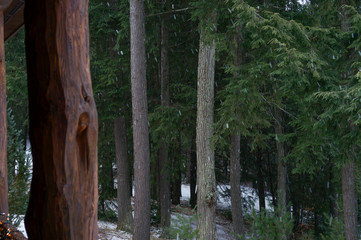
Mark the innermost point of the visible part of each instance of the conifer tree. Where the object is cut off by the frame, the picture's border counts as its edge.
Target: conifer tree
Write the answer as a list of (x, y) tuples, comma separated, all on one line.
[(140, 122)]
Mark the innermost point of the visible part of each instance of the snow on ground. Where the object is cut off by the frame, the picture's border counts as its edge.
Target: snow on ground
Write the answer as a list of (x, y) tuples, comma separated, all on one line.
[(108, 231), (224, 200)]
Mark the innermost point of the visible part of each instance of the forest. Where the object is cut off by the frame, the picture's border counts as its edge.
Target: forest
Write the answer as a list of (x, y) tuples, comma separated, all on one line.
[(219, 98)]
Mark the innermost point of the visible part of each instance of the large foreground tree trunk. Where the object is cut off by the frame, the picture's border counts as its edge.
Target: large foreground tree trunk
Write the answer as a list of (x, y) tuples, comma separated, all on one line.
[(125, 216), (206, 181), (4, 208), (63, 122), (140, 122)]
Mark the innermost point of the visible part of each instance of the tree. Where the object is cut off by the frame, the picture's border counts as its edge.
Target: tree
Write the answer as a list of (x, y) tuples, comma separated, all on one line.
[(206, 181), (63, 122), (349, 199), (140, 122), (235, 165), (3, 110), (125, 217), (164, 184)]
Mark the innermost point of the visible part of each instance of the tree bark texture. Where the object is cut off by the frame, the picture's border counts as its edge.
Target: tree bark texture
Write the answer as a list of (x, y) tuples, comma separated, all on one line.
[(140, 122), (63, 122), (235, 183), (281, 168), (206, 181), (4, 207), (125, 216), (349, 201), (164, 183)]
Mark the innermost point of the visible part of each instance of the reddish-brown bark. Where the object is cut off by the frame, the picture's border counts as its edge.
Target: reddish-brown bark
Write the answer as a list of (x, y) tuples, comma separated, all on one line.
[(4, 208), (63, 122)]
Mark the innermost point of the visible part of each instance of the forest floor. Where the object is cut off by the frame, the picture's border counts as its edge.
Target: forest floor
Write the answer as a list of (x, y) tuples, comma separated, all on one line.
[(183, 217)]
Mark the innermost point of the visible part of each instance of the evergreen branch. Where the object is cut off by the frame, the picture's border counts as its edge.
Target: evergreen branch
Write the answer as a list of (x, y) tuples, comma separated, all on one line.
[(283, 110), (172, 11)]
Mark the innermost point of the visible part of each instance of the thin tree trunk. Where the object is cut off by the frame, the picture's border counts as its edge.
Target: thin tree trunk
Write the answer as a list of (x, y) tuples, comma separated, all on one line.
[(4, 208), (193, 179), (235, 165), (281, 169), (164, 184), (63, 122), (140, 122), (281, 166), (333, 193), (235, 182), (206, 181), (125, 216), (176, 185), (260, 182)]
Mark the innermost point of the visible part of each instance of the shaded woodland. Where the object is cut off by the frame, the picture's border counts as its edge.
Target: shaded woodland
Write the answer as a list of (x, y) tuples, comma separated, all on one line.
[(263, 94)]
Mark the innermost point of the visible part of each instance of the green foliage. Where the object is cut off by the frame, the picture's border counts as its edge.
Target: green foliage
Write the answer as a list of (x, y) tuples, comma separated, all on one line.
[(269, 225), (18, 171), (183, 227), (334, 230)]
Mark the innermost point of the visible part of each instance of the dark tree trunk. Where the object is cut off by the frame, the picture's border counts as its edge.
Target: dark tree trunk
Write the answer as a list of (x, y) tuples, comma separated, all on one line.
[(206, 180), (235, 182), (281, 166), (63, 122), (193, 179), (4, 208), (125, 217), (176, 186), (164, 184), (235, 165), (271, 184), (140, 122), (281, 169), (333, 193), (260, 182)]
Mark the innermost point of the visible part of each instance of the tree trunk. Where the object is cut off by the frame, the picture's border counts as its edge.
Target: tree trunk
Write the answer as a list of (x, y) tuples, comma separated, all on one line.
[(282, 168), (193, 179), (349, 201), (176, 185), (349, 198), (260, 182), (4, 208), (125, 216), (63, 122), (235, 182), (140, 122), (206, 181), (235, 165), (164, 184)]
